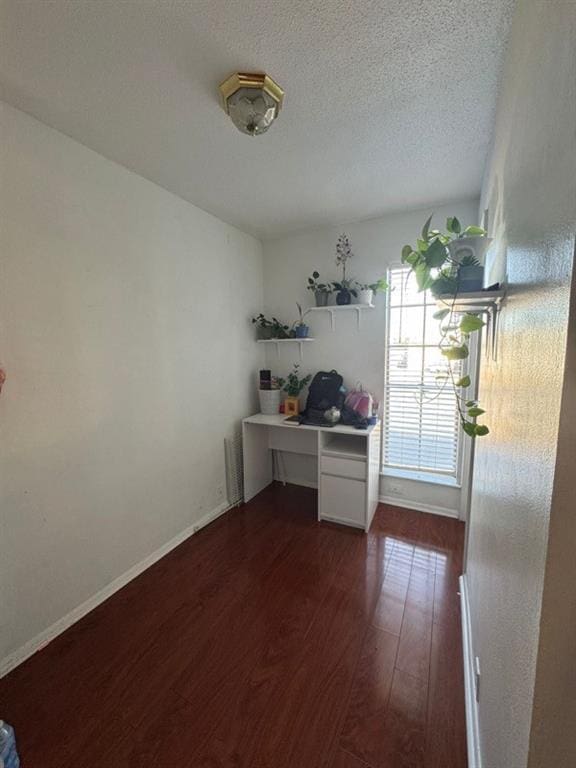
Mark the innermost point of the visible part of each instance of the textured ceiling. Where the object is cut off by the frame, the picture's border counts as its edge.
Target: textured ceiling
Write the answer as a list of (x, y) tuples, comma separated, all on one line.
[(389, 103)]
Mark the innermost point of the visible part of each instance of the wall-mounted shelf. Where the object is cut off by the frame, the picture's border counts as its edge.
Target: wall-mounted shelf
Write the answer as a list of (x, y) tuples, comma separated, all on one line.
[(300, 342), (359, 308), (479, 302)]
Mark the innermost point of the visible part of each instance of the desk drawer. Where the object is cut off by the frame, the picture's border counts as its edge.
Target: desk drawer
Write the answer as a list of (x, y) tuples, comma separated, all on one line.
[(343, 500), (354, 468)]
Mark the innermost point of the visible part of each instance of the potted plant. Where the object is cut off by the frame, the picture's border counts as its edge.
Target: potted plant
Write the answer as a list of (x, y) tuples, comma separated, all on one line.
[(270, 398), (264, 327), (301, 330), (366, 291), (293, 386), (344, 288), (279, 329), (439, 263), (321, 291)]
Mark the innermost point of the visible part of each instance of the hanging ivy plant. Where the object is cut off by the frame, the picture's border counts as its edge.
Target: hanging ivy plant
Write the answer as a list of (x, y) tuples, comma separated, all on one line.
[(435, 269)]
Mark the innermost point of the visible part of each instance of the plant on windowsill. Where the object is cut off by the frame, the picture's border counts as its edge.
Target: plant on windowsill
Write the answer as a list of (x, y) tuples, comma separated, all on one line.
[(438, 262), (344, 288), (366, 291), (321, 291), (293, 386)]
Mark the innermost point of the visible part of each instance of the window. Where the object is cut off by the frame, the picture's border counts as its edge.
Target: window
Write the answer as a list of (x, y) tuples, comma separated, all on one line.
[(422, 431)]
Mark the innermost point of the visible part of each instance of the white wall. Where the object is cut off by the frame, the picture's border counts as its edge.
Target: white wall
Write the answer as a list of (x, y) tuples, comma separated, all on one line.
[(129, 358), (357, 355), (522, 526)]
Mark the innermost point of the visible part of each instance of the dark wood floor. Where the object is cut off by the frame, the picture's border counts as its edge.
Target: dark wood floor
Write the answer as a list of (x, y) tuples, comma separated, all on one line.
[(265, 641)]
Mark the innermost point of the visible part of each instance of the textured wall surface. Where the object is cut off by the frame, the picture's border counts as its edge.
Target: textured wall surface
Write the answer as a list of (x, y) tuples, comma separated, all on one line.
[(126, 365), (357, 355), (530, 190), (389, 103)]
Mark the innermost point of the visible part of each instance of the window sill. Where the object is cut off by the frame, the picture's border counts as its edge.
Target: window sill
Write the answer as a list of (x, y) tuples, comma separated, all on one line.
[(421, 477)]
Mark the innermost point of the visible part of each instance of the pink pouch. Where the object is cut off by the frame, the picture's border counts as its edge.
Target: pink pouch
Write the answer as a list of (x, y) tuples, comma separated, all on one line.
[(360, 401)]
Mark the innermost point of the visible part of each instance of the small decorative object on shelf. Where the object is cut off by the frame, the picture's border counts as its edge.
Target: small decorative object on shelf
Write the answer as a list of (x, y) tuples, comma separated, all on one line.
[(321, 291), (344, 287), (300, 327), (441, 263), (293, 387), (366, 291)]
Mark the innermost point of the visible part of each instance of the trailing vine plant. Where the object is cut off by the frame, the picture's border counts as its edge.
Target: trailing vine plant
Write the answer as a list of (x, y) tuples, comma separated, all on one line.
[(437, 270)]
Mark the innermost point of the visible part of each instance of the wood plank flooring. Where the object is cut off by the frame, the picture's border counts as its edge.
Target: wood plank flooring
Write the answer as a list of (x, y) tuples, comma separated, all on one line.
[(266, 640)]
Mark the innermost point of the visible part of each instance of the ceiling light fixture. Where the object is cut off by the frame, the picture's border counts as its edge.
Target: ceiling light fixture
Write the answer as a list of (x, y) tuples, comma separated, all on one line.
[(253, 101)]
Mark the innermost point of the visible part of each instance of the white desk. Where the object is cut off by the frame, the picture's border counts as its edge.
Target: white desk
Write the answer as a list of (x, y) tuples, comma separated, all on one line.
[(348, 464)]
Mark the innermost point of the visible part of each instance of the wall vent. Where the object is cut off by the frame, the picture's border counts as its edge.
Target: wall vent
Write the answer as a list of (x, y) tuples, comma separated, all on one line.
[(234, 469)]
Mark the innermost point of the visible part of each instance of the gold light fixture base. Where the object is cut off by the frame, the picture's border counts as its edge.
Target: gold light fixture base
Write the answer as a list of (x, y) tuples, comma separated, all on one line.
[(250, 80), (252, 100)]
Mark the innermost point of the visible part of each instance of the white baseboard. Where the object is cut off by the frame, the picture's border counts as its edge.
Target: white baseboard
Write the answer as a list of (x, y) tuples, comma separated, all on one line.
[(28, 649), (472, 723), (395, 501)]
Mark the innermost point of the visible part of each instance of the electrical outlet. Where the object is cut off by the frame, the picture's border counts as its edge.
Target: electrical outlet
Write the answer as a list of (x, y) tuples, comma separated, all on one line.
[(477, 677)]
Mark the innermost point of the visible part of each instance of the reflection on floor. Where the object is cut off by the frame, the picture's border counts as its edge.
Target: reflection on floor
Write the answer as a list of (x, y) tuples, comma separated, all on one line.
[(266, 640)]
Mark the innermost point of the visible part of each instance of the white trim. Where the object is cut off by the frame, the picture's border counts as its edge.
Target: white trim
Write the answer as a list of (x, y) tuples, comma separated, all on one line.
[(46, 636), (472, 723), (395, 501)]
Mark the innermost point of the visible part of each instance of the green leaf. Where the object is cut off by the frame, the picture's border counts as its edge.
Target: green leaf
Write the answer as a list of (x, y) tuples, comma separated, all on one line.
[(453, 225), (470, 428), (471, 323), (423, 278), (406, 251), (443, 286), (470, 403), (474, 412), (422, 245), (473, 231), (456, 353), (436, 254), (413, 259), (463, 382), (441, 314), (481, 430), (426, 227)]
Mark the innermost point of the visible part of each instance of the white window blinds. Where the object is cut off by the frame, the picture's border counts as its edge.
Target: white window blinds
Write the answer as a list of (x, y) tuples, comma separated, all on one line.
[(421, 419)]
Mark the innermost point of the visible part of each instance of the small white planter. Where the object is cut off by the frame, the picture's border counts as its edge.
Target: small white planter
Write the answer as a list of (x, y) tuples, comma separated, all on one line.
[(269, 401), (365, 297)]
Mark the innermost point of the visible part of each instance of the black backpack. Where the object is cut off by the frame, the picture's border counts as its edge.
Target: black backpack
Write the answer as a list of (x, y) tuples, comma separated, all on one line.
[(325, 392)]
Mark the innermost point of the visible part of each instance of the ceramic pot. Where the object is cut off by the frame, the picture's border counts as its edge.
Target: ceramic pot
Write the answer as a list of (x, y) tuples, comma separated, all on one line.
[(343, 298), (263, 333), (321, 298), (470, 279), (469, 246), (292, 406), (366, 297), (302, 331), (269, 401)]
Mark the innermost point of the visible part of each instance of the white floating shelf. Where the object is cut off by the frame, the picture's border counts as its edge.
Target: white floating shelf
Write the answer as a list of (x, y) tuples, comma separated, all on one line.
[(344, 308), (307, 340), (478, 302)]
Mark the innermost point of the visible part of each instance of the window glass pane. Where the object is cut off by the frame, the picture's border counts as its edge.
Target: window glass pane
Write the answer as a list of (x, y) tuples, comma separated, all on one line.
[(406, 325), (421, 417)]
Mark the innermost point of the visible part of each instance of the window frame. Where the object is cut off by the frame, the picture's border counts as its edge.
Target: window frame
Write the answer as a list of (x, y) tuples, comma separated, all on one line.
[(461, 477)]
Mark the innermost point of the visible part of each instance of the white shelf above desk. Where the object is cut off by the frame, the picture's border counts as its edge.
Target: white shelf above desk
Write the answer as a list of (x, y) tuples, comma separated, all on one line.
[(358, 308), (300, 342)]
